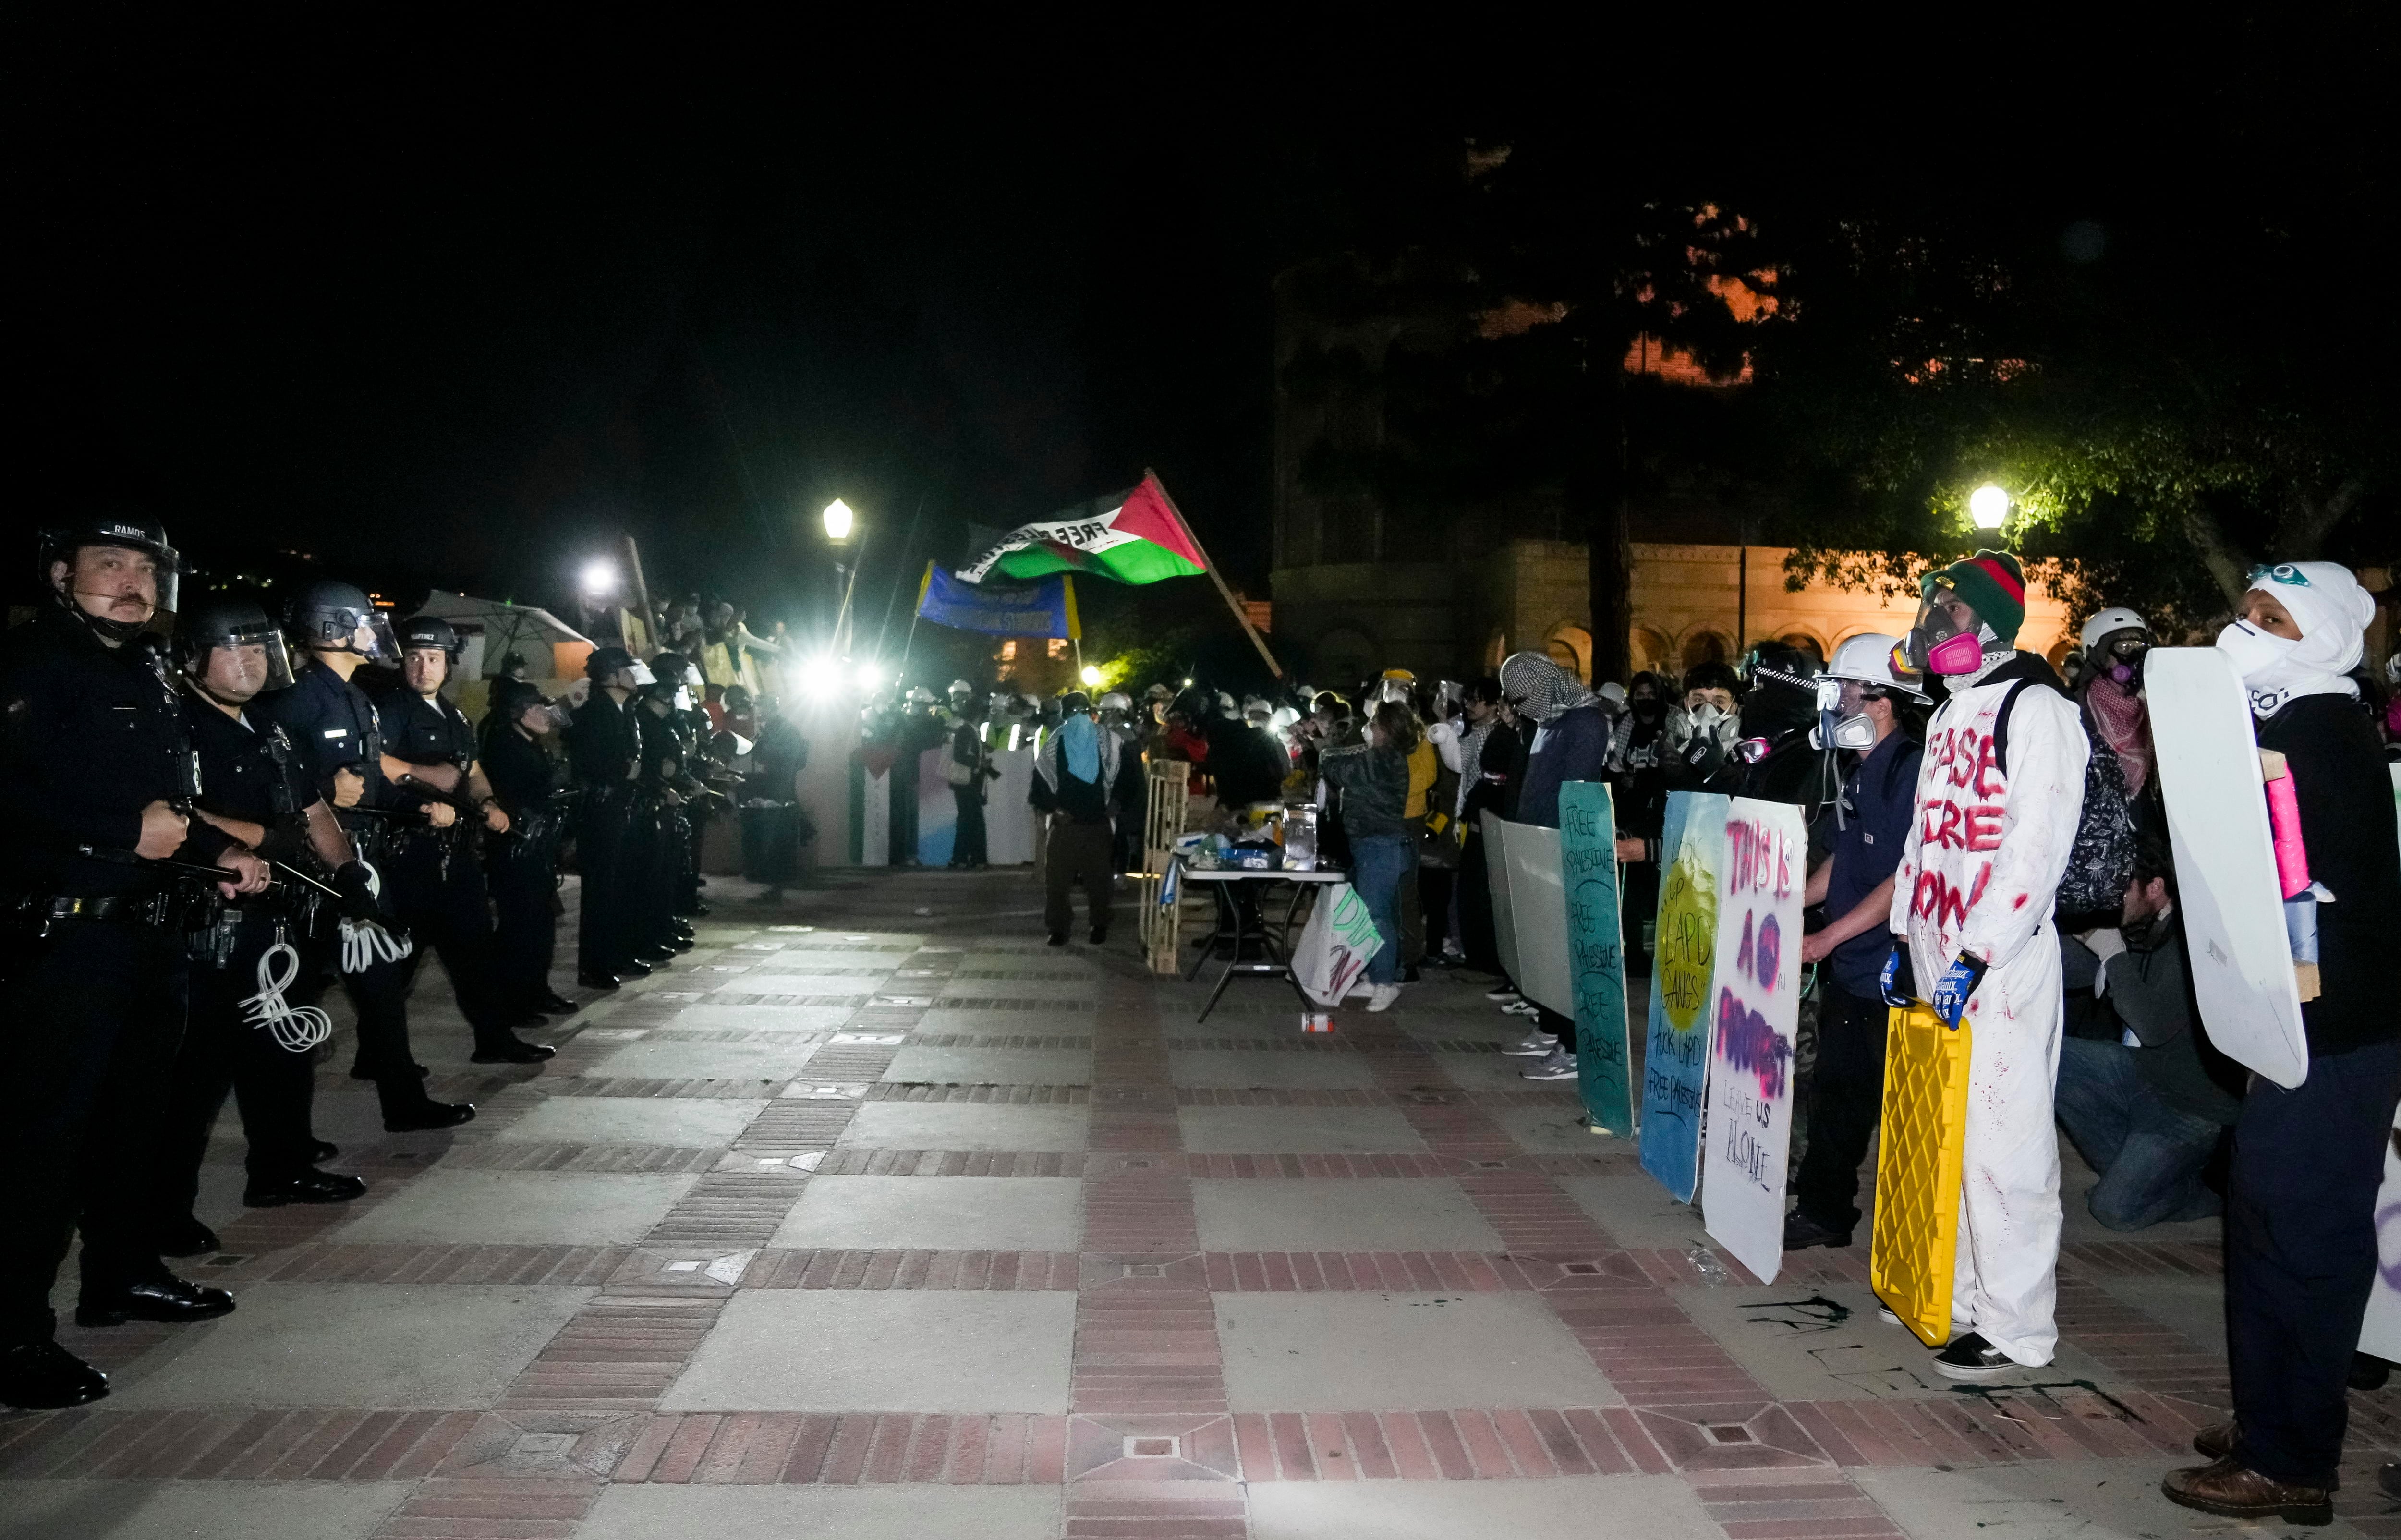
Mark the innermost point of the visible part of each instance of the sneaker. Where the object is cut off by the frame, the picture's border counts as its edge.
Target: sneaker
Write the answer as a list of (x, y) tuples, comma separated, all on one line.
[(1360, 991), (1533, 1047), (1500, 996), (1384, 997), (1970, 1357), (1800, 1233), (1521, 1008), (1559, 1066)]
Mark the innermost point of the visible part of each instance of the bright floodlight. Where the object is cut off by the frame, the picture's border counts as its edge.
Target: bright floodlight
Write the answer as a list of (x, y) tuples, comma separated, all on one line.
[(838, 519), (869, 677), (1989, 506), (824, 676), (600, 577), (1090, 676)]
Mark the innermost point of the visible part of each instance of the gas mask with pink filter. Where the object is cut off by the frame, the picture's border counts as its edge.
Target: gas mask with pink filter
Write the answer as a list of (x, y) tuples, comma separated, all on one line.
[(1948, 638)]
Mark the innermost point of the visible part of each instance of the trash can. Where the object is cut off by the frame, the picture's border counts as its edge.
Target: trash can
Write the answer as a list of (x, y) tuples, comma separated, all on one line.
[(770, 842)]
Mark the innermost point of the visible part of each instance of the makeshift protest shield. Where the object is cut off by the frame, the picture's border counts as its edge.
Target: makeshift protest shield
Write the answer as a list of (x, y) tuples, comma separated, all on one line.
[(1538, 915), (2380, 1332), (1496, 874), (2226, 884), (1595, 960), (1919, 1150), (1684, 967), (1757, 1011)]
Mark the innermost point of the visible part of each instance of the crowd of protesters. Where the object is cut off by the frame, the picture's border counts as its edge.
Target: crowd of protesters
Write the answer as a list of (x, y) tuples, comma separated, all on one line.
[(1988, 838)]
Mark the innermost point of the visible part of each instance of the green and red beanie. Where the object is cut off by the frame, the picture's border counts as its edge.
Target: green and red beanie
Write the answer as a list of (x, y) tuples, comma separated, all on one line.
[(1994, 587)]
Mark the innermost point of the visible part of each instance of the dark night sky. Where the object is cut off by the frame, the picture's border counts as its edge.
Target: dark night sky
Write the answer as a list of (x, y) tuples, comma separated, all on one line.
[(445, 307)]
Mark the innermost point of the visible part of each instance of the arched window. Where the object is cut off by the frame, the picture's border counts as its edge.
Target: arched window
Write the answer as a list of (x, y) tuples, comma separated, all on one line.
[(1807, 643), (1571, 647), (1649, 648), (1706, 646)]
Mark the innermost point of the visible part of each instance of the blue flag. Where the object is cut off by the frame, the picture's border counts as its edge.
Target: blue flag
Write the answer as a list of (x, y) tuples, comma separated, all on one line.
[(1044, 609)]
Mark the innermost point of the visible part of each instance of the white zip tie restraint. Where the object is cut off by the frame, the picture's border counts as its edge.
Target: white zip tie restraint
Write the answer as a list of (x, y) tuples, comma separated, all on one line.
[(365, 944), (297, 1028)]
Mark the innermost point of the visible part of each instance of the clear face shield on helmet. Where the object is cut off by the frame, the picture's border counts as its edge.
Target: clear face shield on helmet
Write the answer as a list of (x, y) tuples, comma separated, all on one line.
[(372, 639), (239, 665)]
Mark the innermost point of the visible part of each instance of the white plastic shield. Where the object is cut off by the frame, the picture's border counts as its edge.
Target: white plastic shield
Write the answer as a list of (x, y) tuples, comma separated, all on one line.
[(1496, 874), (2380, 1330), (1538, 915), (2226, 861)]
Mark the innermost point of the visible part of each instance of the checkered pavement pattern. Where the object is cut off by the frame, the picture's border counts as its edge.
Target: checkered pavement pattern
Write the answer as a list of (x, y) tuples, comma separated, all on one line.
[(877, 1215)]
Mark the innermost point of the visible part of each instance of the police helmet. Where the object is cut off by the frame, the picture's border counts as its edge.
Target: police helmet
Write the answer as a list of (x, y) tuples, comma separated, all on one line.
[(335, 617), (607, 663), (430, 631), (125, 531), (238, 624)]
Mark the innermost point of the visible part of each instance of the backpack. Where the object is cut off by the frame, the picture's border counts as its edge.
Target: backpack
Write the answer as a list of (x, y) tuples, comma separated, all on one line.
[(2100, 863)]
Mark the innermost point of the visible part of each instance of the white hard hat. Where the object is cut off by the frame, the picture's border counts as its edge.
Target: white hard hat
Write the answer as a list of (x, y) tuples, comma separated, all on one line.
[(1115, 701), (961, 687), (1612, 692), (1868, 658), (1285, 717), (2100, 625)]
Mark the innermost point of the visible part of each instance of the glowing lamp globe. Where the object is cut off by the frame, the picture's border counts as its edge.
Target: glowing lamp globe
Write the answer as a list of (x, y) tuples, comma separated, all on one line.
[(1090, 676), (838, 519), (1989, 506)]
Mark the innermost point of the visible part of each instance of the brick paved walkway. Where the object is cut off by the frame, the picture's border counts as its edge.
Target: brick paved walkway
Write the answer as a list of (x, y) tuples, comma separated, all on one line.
[(881, 1219)]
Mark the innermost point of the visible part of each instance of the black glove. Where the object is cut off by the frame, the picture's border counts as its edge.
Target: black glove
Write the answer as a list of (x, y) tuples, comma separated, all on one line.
[(354, 882)]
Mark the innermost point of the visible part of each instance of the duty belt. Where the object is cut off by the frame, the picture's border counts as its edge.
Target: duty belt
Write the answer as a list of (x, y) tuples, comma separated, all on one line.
[(138, 908)]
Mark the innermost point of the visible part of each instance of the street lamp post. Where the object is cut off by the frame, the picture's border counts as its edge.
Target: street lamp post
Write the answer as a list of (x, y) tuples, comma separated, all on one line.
[(839, 520)]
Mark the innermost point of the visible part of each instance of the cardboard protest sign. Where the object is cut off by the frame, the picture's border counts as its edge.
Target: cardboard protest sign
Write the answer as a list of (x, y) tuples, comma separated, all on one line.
[(1496, 874), (1756, 1013), (1595, 954), (1683, 965)]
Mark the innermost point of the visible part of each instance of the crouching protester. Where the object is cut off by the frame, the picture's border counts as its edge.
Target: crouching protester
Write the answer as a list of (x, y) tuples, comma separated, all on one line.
[(1998, 797), (2301, 1219), (2147, 1107)]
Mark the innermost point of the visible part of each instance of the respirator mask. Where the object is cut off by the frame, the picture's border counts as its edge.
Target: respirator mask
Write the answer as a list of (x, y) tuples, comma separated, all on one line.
[(1939, 643)]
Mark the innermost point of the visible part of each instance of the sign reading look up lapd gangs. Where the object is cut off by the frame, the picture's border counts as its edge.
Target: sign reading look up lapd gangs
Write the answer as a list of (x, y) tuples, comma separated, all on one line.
[(1683, 962), (1596, 948), (1754, 1017)]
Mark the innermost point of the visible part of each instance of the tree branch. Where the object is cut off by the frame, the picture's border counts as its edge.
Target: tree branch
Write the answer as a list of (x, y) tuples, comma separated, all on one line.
[(2225, 563), (2301, 533)]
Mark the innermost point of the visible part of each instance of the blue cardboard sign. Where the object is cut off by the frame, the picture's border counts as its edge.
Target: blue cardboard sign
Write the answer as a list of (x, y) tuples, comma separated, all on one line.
[(1595, 954)]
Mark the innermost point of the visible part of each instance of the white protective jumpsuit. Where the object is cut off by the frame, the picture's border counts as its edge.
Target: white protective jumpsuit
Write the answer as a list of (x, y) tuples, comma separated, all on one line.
[(1979, 875)]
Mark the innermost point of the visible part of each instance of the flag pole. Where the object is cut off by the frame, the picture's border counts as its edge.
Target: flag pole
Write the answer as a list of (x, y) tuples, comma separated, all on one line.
[(1231, 602)]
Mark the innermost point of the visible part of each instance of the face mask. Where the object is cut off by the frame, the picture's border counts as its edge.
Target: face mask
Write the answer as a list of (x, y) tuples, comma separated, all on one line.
[(2123, 672), (1649, 711), (1855, 733), (1935, 645), (2256, 655), (1705, 719)]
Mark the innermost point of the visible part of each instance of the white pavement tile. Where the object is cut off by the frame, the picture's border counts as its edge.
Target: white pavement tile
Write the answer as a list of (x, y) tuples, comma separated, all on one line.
[(1311, 1214), (691, 1122), (1297, 1130), (823, 1513), (967, 1125), (2048, 1500), (937, 1212), (360, 1345), (522, 1208), (195, 1511), (651, 1059), (1567, 1507), (827, 1350), (1401, 1351)]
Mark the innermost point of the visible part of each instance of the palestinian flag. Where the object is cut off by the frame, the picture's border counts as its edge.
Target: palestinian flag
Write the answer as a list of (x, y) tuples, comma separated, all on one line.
[(1135, 536)]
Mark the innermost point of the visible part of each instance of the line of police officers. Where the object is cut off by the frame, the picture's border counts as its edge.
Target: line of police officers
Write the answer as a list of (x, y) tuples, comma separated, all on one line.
[(215, 833)]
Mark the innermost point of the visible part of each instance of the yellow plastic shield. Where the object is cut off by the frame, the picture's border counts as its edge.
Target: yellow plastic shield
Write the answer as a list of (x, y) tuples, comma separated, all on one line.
[(1917, 1169)]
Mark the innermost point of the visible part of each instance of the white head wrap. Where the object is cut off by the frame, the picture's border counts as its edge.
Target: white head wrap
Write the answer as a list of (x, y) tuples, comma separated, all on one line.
[(2333, 611)]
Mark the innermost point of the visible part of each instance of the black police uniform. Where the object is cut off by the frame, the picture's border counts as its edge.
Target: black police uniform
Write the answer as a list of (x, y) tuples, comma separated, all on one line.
[(332, 727), (522, 864), (92, 1008), (248, 771), (430, 875), (604, 750), (661, 836)]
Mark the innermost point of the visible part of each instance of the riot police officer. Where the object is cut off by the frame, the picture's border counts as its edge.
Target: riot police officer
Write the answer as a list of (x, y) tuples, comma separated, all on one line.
[(604, 750), (522, 860), (663, 855), (332, 728), (93, 756), (253, 1027), (430, 867)]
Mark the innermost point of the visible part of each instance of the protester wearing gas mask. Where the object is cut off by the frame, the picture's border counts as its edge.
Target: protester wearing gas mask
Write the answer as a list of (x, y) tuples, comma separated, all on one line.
[(2300, 1223), (1880, 717), (2111, 689), (1704, 729), (1994, 818)]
